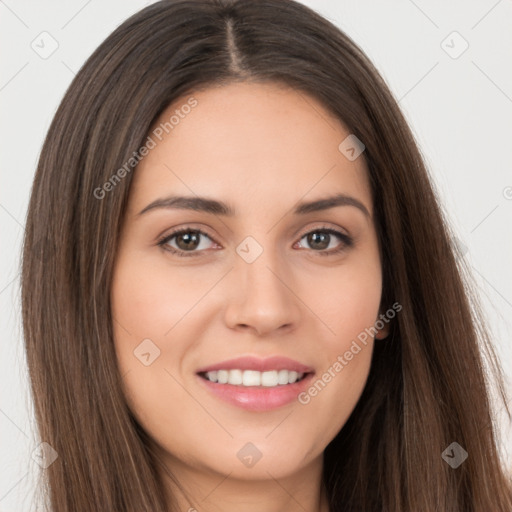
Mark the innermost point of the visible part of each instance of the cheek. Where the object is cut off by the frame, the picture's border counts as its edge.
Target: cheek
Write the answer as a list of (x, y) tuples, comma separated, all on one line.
[(146, 307), (349, 305), (149, 298), (153, 310), (347, 299), (138, 301)]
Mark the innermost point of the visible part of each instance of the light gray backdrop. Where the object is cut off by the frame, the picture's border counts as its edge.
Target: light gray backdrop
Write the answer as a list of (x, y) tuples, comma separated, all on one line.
[(448, 64)]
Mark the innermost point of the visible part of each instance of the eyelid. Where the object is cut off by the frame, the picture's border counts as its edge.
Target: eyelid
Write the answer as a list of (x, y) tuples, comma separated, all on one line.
[(323, 227)]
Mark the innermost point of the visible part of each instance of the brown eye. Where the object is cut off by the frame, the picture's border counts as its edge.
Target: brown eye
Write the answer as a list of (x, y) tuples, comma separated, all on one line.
[(185, 241), (320, 240)]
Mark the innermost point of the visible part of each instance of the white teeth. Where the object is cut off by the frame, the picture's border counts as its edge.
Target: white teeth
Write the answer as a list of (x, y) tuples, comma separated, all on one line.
[(235, 377), (251, 378), (222, 376), (269, 379), (282, 377), (212, 376), (292, 377)]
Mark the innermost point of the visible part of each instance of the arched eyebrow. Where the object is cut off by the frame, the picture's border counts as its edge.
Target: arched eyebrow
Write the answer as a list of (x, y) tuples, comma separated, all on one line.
[(215, 207)]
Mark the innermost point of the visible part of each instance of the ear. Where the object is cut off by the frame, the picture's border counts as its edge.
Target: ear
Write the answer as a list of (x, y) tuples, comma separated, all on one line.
[(384, 332)]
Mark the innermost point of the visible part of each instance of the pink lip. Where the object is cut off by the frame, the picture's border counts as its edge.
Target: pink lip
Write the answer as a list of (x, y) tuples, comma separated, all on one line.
[(261, 365), (257, 398)]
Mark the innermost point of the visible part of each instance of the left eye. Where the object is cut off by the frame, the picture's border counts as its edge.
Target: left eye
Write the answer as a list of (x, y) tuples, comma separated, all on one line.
[(186, 241), (321, 239)]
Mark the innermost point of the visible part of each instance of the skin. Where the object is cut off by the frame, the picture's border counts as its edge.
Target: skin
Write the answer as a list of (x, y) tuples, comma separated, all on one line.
[(261, 148)]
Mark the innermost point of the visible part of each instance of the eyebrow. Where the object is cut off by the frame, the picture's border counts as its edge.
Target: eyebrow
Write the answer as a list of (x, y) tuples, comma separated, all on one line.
[(204, 204)]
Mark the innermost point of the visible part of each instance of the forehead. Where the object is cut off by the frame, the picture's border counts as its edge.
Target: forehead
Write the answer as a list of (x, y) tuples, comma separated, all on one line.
[(248, 143)]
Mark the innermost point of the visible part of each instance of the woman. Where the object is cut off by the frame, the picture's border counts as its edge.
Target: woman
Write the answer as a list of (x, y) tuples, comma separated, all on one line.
[(244, 292)]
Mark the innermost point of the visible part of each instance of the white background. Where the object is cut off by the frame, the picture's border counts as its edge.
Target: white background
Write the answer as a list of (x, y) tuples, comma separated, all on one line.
[(460, 110)]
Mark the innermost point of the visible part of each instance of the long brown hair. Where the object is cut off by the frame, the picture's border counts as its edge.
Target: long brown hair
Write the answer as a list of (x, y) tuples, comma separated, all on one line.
[(428, 386)]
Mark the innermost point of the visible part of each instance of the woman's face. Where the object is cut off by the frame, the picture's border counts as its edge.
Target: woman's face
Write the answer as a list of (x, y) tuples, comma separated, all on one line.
[(267, 279)]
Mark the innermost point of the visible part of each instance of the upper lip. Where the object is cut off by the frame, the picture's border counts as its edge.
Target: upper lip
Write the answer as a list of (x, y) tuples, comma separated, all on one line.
[(261, 365)]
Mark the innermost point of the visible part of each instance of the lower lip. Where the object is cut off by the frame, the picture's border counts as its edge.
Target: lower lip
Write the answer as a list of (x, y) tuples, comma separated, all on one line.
[(257, 398)]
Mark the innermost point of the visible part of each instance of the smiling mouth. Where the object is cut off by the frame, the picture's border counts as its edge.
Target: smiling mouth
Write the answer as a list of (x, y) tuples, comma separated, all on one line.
[(253, 378)]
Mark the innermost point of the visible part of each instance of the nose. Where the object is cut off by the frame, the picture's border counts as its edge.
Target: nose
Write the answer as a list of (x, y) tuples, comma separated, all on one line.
[(263, 299)]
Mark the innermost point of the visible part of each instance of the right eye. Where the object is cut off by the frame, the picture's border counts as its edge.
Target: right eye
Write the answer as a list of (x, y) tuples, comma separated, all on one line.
[(186, 241)]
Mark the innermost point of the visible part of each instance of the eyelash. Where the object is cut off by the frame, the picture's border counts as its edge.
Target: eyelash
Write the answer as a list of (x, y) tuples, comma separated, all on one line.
[(347, 242)]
